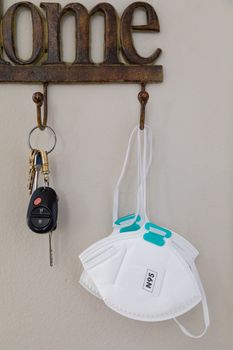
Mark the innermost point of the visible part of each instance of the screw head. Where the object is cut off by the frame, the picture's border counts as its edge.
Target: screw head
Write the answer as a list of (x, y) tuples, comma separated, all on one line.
[(143, 97), (38, 98)]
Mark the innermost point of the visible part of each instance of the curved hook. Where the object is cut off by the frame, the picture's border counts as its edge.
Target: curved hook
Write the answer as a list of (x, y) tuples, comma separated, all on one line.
[(143, 98), (39, 99)]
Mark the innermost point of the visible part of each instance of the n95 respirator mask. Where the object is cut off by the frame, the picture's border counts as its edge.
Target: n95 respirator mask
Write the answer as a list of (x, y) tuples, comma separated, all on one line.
[(143, 271)]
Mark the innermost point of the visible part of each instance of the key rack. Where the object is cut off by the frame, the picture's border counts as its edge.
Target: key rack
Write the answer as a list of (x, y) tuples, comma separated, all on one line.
[(121, 64)]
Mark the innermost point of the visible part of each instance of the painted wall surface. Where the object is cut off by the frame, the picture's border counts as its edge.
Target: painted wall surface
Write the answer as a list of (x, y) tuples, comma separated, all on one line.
[(190, 184)]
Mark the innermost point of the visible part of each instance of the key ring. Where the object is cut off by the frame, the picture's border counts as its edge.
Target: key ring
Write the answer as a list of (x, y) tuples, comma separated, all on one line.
[(45, 127)]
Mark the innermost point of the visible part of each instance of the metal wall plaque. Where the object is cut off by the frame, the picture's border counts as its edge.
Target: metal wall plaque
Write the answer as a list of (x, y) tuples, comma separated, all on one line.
[(45, 63)]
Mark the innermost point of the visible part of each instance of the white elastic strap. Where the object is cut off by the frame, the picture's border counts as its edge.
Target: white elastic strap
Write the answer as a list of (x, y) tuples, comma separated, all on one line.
[(147, 165), (142, 160), (144, 165), (123, 170), (204, 307), (147, 140)]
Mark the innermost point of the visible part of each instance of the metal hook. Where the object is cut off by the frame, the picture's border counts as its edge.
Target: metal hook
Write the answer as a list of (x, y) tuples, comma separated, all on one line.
[(143, 97), (39, 99)]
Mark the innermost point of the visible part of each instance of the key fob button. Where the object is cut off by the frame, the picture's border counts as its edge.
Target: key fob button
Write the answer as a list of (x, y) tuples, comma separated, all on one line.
[(37, 201), (40, 211), (40, 222)]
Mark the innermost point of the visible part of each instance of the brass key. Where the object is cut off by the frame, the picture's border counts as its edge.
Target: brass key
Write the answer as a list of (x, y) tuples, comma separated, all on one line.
[(32, 170), (45, 167)]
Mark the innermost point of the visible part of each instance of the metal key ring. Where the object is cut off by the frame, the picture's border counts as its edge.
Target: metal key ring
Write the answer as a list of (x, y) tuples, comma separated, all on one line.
[(45, 127)]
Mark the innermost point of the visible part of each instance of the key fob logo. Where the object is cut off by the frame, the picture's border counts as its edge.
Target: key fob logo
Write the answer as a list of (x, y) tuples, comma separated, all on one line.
[(150, 280)]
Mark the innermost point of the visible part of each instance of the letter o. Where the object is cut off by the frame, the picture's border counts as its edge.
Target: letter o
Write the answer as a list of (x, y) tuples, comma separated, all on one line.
[(8, 25)]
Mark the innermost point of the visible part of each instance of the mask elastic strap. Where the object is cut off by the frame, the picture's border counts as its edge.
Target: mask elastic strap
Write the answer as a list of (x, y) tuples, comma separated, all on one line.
[(117, 188), (119, 181), (146, 134), (204, 307)]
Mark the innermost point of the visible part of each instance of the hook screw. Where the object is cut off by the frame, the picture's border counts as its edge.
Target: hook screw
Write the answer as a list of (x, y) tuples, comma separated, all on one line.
[(143, 98), (39, 99)]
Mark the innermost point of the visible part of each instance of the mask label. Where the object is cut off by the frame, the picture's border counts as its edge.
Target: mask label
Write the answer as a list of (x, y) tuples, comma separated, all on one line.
[(150, 280)]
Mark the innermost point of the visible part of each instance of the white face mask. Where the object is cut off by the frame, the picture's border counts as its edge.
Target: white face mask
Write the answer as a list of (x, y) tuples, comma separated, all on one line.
[(132, 222), (148, 274)]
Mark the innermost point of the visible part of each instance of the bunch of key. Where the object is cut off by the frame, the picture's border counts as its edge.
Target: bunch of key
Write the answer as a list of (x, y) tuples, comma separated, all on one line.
[(43, 206)]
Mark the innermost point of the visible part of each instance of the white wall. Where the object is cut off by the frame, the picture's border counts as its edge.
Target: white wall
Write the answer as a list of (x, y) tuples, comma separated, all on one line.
[(190, 185)]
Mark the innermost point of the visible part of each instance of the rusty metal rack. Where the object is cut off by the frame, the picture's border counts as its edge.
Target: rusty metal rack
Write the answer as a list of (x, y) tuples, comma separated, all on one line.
[(121, 63)]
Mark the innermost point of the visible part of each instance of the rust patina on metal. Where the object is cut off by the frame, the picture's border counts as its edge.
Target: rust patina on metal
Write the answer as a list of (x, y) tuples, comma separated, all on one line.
[(45, 63)]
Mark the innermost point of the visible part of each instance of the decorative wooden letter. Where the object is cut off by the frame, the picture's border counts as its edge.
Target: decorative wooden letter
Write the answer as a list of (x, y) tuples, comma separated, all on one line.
[(8, 27), (111, 46), (127, 28), (54, 16), (82, 18)]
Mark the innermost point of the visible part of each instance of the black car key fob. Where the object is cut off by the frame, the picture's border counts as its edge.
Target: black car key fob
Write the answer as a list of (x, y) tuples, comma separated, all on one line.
[(42, 210)]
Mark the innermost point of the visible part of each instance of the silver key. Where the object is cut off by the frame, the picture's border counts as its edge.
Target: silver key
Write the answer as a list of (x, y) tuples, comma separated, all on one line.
[(38, 165), (50, 249)]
